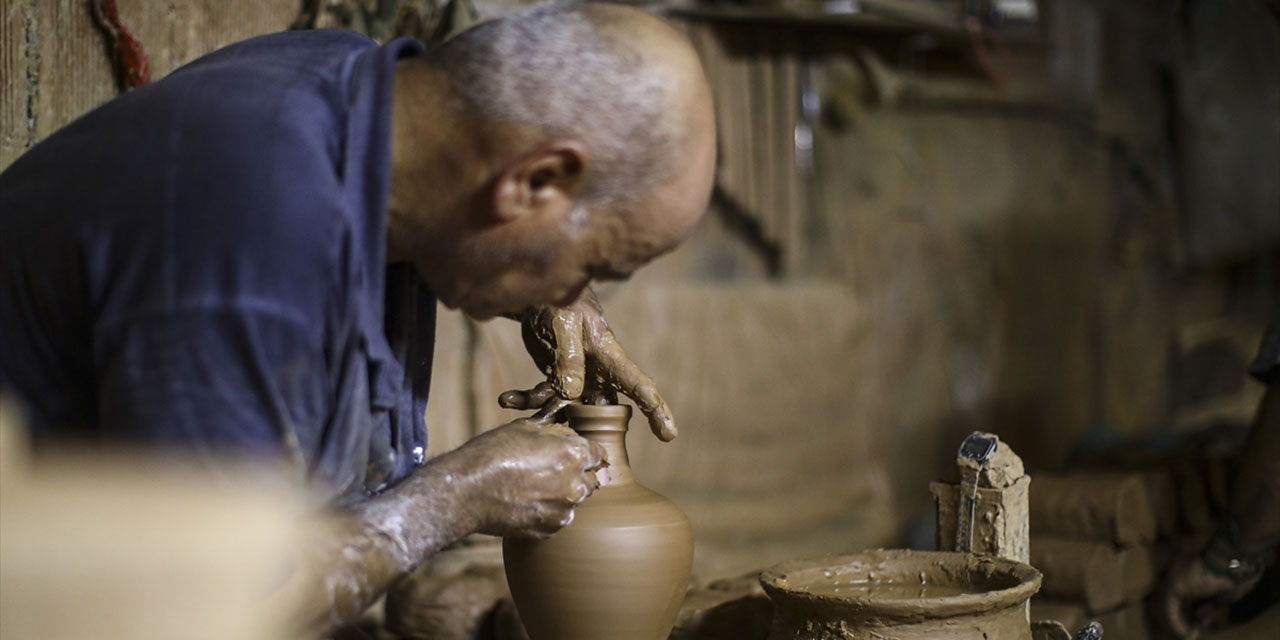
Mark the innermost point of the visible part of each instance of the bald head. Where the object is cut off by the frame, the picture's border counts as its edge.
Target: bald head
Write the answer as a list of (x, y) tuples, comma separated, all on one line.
[(546, 148), (616, 78)]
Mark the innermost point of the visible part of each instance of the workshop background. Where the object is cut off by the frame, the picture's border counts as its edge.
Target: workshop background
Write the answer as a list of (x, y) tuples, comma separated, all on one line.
[(1055, 220)]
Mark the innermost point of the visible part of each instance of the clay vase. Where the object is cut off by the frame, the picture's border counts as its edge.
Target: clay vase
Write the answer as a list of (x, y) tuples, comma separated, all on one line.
[(620, 569), (905, 595)]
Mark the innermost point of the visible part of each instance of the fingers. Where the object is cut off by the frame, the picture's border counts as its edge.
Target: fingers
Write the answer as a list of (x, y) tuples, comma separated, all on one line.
[(1173, 615), (562, 431), (570, 368), (536, 342), (546, 520), (528, 400), (638, 386), (597, 457), (590, 459), (661, 422), (550, 412)]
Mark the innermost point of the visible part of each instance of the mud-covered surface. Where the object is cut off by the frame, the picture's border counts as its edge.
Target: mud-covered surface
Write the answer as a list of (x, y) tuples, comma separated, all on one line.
[(986, 596), (1001, 526)]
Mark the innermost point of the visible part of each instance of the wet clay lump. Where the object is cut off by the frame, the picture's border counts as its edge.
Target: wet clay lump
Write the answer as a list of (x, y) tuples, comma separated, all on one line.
[(620, 569)]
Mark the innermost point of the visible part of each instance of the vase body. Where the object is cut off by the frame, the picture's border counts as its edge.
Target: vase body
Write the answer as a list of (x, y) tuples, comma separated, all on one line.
[(904, 595), (620, 570)]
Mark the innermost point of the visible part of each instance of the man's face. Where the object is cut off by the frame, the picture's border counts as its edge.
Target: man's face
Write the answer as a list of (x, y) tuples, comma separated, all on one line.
[(553, 266), (514, 266), (500, 272)]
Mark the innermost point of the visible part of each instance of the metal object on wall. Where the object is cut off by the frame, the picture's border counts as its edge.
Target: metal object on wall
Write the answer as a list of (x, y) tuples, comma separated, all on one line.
[(975, 453)]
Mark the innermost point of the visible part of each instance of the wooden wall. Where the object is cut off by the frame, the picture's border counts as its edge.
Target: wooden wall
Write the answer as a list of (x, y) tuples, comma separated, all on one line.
[(54, 63)]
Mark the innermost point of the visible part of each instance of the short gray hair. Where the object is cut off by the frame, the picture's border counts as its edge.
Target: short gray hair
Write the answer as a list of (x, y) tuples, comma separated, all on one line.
[(560, 69)]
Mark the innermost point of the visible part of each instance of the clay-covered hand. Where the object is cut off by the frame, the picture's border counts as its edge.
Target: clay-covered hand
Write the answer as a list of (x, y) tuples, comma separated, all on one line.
[(523, 479), (582, 360), (1191, 591)]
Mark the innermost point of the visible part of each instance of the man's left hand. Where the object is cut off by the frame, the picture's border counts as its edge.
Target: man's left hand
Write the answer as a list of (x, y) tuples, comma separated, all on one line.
[(1192, 590), (582, 359)]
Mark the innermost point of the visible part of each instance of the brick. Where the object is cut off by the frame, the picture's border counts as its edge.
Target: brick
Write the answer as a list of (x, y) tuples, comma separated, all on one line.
[(1080, 570), (1139, 567), (1096, 506)]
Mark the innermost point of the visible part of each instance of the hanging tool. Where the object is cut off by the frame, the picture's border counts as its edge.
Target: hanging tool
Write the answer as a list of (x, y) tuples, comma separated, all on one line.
[(975, 452)]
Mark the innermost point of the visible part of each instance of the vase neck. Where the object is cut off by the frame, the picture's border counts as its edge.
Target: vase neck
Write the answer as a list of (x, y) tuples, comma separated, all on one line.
[(615, 445), (607, 426)]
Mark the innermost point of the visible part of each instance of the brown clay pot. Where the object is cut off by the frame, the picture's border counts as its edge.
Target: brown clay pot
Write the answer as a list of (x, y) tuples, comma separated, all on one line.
[(905, 595), (620, 569)]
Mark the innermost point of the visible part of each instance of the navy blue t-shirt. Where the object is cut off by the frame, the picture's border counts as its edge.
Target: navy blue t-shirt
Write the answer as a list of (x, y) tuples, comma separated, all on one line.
[(200, 263)]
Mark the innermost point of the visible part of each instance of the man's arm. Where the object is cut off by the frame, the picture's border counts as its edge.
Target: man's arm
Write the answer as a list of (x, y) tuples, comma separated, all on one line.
[(1233, 561), (521, 479), (232, 381)]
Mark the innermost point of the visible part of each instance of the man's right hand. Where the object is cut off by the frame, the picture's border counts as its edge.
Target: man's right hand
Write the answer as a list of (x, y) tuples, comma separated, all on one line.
[(521, 479), (524, 479)]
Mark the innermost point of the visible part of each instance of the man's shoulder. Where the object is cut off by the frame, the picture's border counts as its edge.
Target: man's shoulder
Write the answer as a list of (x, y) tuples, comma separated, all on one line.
[(236, 159), (287, 47)]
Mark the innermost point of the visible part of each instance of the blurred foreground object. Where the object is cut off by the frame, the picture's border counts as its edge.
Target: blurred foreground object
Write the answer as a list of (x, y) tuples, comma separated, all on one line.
[(129, 548)]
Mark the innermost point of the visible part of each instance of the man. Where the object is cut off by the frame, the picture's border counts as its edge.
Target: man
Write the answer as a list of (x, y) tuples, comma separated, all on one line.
[(1235, 558), (245, 257)]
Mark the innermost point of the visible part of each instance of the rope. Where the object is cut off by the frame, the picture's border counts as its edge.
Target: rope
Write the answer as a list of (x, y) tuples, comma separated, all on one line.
[(131, 65)]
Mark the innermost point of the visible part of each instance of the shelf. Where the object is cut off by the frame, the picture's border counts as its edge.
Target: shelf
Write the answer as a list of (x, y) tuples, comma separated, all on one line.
[(880, 16)]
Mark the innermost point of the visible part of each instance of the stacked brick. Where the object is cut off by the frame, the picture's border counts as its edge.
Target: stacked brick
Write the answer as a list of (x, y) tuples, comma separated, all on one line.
[(1094, 536)]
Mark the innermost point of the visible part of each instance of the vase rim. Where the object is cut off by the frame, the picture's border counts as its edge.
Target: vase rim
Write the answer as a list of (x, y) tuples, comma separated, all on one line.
[(620, 413), (997, 582)]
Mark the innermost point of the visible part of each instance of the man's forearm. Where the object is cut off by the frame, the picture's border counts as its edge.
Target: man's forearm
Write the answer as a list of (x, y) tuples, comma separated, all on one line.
[(356, 553), (520, 479)]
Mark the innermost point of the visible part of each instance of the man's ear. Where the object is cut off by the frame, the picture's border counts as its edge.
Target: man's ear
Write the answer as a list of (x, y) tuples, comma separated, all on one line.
[(544, 182)]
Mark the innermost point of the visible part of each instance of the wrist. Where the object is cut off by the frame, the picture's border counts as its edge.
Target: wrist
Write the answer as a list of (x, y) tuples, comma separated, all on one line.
[(419, 516), (448, 486)]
